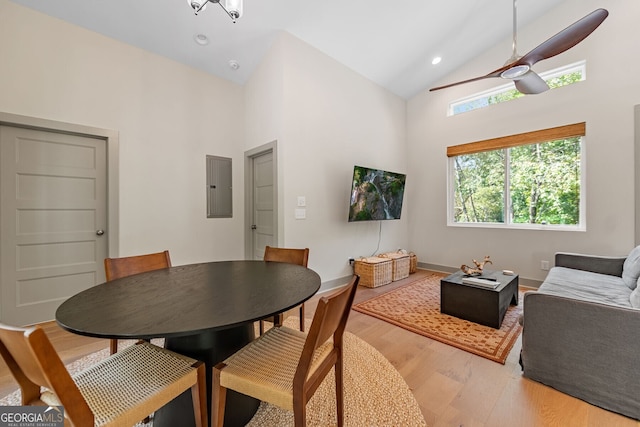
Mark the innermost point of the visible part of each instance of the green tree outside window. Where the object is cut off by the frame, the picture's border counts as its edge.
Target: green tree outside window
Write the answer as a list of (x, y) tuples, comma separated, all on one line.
[(543, 184)]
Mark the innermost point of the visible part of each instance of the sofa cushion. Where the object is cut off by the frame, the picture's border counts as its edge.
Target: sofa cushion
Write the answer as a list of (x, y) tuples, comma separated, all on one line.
[(631, 268), (635, 297), (587, 286)]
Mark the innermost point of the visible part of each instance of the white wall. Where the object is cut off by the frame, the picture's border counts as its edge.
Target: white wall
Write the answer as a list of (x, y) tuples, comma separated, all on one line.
[(328, 118), (169, 117), (605, 101), (264, 98)]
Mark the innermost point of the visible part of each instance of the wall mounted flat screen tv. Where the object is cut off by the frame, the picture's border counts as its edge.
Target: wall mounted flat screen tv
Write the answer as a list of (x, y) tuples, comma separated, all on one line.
[(376, 194)]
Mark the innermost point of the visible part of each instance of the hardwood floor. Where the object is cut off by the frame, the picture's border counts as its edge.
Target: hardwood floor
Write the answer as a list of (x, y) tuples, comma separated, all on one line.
[(452, 387)]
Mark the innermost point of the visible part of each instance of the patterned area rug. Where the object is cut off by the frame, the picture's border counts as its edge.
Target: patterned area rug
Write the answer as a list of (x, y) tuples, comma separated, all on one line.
[(416, 307), (375, 394)]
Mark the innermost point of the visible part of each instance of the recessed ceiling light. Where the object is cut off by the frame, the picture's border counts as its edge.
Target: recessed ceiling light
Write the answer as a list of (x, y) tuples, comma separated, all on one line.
[(436, 60), (234, 65), (201, 39)]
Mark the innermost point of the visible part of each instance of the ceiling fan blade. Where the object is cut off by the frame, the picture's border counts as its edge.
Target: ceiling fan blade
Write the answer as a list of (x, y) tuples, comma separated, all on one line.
[(565, 39), (531, 84), (459, 83), (495, 73)]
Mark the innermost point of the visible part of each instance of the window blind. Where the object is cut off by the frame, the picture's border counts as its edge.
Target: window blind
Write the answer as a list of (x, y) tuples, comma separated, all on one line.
[(543, 135)]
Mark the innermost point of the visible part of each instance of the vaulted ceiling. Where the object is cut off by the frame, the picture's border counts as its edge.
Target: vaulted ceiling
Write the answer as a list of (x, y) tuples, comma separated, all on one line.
[(390, 42)]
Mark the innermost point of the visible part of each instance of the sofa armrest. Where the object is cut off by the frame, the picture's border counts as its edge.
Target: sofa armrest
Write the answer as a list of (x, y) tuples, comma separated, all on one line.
[(586, 349), (595, 264)]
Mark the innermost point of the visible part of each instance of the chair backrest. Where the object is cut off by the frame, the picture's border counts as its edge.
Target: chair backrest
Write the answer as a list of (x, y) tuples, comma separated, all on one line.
[(291, 256), (330, 319), (34, 362), (115, 268)]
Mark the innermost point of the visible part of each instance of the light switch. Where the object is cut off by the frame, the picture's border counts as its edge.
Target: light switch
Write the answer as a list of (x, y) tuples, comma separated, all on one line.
[(301, 213), (302, 201)]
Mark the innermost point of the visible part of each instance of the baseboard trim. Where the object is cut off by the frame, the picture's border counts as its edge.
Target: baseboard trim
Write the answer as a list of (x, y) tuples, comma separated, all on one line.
[(336, 283), (333, 284), (522, 281)]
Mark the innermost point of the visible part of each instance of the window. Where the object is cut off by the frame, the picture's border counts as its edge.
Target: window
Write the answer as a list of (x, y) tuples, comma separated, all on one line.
[(555, 78), (530, 180)]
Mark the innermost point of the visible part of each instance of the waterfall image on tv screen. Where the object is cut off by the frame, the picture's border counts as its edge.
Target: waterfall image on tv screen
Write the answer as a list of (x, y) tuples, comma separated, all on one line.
[(376, 194)]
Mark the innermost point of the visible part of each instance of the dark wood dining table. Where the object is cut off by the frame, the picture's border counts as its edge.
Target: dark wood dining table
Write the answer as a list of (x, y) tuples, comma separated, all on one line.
[(206, 311)]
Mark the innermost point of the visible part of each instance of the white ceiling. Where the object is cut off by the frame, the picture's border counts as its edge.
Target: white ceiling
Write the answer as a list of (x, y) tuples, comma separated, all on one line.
[(390, 42)]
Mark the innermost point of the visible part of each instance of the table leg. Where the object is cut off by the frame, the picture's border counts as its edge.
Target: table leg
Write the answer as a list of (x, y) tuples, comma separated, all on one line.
[(211, 348)]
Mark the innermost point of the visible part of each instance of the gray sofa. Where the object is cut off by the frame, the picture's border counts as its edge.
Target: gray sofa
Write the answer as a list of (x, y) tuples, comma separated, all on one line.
[(581, 330)]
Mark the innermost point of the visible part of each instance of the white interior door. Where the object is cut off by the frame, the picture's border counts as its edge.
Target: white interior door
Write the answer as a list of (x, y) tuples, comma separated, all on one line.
[(263, 204), (52, 220)]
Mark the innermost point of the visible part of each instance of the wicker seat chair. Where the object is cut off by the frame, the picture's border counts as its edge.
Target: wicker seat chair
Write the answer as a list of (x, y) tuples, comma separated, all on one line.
[(115, 268), (120, 391), (284, 366), (291, 256)]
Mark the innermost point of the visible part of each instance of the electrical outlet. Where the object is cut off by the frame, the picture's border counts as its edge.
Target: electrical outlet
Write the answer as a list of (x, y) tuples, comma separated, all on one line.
[(351, 261), (544, 265)]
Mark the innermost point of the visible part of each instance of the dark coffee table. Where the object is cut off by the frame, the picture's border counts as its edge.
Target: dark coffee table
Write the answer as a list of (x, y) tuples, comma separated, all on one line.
[(475, 303)]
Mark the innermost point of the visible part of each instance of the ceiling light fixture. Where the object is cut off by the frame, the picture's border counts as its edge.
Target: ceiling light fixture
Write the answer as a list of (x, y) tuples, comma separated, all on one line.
[(436, 60), (515, 72), (233, 8)]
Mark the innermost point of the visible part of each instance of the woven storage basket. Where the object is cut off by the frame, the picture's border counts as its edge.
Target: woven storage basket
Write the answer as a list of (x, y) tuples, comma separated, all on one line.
[(400, 265), (374, 271), (413, 263)]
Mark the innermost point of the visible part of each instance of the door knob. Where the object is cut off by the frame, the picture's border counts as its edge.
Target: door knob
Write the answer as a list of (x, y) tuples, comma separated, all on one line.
[(99, 232)]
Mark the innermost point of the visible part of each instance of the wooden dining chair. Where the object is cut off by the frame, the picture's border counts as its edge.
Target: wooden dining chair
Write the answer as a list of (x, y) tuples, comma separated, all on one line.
[(284, 366), (115, 268), (121, 390), (291, 256)]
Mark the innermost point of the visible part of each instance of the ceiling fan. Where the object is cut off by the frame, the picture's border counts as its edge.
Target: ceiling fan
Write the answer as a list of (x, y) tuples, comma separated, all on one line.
[(518, 68)]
